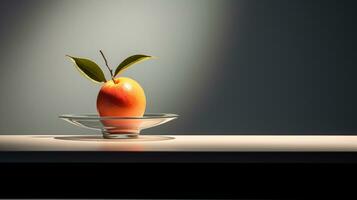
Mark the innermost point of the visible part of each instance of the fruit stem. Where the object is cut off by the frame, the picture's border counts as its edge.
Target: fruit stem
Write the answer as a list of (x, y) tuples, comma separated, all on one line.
[(106, 64)]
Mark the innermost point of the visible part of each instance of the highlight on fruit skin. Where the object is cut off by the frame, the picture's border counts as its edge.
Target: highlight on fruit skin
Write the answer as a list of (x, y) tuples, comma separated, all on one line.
[(122, 97)]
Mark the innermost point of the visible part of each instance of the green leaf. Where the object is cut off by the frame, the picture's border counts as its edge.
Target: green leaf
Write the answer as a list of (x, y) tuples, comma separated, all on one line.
[(130, 61), (89, 69)]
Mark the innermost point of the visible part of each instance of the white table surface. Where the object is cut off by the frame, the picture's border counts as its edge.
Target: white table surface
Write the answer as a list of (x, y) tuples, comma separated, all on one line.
[(172, 143)]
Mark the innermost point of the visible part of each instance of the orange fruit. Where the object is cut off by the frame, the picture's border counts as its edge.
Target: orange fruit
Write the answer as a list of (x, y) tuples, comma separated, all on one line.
[(123, 97)]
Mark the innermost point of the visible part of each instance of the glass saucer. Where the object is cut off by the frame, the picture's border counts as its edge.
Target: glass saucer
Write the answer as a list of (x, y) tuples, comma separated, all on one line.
[(119, 127)]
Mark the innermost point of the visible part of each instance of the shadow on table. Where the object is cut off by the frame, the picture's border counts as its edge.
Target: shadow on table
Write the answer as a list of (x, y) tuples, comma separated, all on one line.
[(41, 136), (142, 138)]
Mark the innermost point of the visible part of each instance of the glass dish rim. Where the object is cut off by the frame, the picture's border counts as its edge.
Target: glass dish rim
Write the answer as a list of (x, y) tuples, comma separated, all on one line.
[(94, 116)]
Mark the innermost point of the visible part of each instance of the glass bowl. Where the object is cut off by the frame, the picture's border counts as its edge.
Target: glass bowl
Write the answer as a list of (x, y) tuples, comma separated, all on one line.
[(119, 127)]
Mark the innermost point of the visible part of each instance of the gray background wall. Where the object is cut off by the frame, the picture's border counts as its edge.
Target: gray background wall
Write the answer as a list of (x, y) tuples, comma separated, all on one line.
[(225, 66)]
